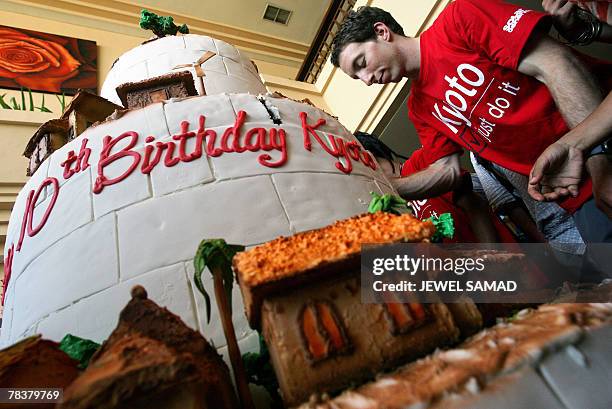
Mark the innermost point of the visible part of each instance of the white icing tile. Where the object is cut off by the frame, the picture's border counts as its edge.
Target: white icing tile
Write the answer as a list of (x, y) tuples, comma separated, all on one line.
[(133, 189), (72, 209), (150, 50), (226, 50), (37, 178), (314, 200), (256, 112), (213, 330), (166, 180), (246, 62), (216, 109), (169, 62), (110, 83), (199, 42), (134, 73), (92, 266), (96, 316), (216, 83), (237, 70), (55, 169), (214, 64), (7, 317), (242, 211)]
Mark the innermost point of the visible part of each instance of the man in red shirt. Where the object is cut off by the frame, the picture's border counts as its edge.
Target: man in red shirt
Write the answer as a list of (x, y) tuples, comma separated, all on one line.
[(485, 77)]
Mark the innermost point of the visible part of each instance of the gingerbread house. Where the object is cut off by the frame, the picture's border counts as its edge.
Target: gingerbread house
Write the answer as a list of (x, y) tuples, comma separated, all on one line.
[(303, 292), (142, 93), (48, 138), (84, 110)]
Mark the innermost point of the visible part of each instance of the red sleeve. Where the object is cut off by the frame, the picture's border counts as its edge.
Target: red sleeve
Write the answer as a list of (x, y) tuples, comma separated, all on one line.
[(435, 144), (497, 29), (414, 163)]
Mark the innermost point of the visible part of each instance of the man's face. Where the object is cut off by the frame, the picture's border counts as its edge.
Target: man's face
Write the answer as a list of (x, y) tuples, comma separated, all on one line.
[(373, 62)]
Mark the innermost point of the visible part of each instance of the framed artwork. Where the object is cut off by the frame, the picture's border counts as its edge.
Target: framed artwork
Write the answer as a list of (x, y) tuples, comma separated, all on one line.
[(46, 62)]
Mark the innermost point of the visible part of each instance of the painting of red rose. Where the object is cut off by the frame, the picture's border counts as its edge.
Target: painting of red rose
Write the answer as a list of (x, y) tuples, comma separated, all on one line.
[(46, 62)]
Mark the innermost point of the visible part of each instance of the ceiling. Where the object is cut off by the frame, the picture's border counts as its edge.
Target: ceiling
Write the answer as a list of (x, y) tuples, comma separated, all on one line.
[(239, 22), (248, 15)]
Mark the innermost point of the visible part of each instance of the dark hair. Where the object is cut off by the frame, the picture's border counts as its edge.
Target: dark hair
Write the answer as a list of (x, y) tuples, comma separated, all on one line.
[(378, 147), (359, 28)]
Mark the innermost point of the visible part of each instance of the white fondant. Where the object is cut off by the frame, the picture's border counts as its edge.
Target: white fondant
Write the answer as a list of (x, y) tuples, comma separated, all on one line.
[(228, 71), (233, 210), (314, 200), (75, 274), (92, 267), (166, 286), (71, 210), (132, 189)]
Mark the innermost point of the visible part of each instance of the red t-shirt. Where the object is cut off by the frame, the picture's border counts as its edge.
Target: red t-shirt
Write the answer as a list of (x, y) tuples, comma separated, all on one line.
[(445, 203), (469, 94), (435, 206)]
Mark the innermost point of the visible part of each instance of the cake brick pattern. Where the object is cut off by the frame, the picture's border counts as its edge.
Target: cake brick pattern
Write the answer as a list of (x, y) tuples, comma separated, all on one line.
[(228, 70), (71, 276)]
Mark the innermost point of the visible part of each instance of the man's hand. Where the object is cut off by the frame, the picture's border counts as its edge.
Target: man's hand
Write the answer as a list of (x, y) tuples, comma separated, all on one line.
[(600, 169), (556, 173), (564, 17)]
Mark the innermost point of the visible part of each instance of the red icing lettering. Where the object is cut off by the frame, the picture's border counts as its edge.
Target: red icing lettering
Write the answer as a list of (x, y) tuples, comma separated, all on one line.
[(310, 130), (147, 165), (182, 138), (106, 159), (169, 161), (338, 148), (67, 164), (48, 181), (82, 160), (26, 223), (235, 131), (278, 143), (8, 266)]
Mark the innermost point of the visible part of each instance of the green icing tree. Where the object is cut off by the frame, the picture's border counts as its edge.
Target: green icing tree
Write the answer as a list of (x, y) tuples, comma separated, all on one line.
[(161, 26)]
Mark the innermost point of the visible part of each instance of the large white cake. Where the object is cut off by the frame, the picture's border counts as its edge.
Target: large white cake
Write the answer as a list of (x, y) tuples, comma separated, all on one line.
[(86, 240)]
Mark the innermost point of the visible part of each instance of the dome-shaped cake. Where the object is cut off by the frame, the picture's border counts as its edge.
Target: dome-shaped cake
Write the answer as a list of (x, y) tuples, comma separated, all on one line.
[(128, 201)]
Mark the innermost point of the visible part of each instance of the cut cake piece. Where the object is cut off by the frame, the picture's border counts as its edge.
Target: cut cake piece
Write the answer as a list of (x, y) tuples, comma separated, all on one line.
[(152, 360)]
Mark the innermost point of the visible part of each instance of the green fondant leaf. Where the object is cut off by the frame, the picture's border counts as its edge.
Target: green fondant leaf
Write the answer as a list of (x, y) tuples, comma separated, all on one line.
[(259, 371), (386, 203), (79, 349), (445, 227), (215, 254)]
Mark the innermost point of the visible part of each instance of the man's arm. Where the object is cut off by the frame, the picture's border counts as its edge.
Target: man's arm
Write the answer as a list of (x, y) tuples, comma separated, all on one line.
[(440, 177), (569, 81)]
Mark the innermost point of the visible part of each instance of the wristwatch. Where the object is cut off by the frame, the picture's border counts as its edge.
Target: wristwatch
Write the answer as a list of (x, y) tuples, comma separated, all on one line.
[(605, 147)]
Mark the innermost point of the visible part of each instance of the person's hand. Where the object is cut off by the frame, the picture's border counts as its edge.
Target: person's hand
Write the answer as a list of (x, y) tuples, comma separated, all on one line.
[(556, 173), (600, 169), (564, 17)]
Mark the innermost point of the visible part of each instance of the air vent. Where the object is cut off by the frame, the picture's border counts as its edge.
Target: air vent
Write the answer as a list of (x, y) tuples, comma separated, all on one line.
[(277, 14)]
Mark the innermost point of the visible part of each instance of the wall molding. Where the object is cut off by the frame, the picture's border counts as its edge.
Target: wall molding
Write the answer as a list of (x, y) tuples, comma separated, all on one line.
[(122, 17)]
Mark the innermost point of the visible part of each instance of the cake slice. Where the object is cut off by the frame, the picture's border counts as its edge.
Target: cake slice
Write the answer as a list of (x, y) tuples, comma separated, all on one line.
[(35, 363), (152, 360)]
